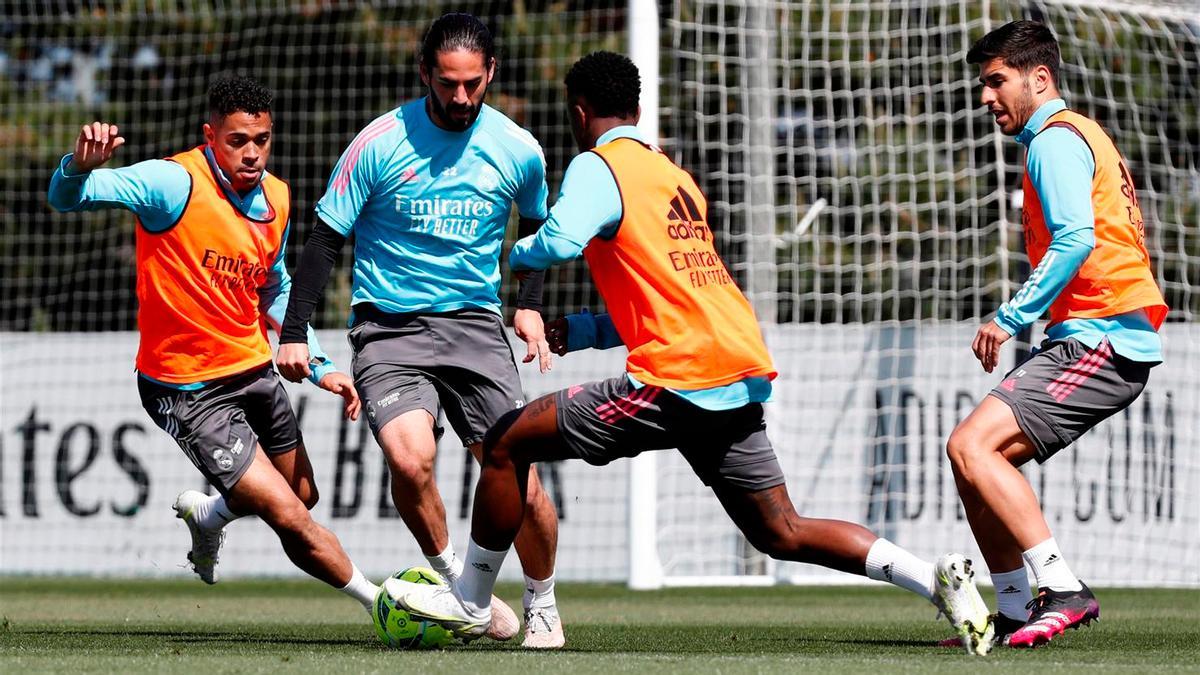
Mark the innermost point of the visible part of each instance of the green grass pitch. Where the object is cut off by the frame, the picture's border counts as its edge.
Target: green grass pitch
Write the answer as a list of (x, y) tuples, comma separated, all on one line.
[(78, 625)]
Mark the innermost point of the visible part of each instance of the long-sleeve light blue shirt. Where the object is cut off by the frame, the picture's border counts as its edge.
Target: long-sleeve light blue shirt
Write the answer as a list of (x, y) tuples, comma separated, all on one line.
[(1060, 166), (157, 192), (589, 205)]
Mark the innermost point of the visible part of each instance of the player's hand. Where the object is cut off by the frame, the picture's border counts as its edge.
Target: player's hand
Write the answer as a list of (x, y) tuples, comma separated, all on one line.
[(556, 335), (528, 325), (96, 144), (292, 361), (987, 344), (342, 385)]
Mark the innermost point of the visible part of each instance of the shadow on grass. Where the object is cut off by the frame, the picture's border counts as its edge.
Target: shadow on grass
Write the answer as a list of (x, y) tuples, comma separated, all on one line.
[(97, 637), (584, 640)]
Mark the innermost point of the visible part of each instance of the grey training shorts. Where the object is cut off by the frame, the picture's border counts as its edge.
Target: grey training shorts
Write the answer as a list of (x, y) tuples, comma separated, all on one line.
[(219, 425), (606, 420), (1067, 388), (459, 362)]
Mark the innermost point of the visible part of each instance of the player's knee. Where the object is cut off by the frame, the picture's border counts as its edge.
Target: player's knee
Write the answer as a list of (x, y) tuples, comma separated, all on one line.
[(497, 455), (411, 469), (779, 545), (961, 448)]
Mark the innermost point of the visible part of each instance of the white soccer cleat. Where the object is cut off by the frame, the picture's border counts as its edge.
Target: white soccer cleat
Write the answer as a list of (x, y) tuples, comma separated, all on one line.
[(439, 605), (206, 543), (955, 596), (504, 625), (543, 629)]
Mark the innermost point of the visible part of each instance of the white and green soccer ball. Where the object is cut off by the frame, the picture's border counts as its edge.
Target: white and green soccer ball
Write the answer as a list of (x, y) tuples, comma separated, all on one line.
[(396, 628)]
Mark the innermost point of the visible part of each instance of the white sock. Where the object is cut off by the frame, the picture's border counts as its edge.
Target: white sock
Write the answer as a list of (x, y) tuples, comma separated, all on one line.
[(213, 513), (479, 578), (888, 562), (1012, 593), (539, 594), (360, 588), (1050, 568), (446, 563)]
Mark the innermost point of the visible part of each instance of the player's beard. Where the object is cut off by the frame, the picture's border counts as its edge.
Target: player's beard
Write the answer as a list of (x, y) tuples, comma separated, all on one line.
[(442, 113), (1022, 110)]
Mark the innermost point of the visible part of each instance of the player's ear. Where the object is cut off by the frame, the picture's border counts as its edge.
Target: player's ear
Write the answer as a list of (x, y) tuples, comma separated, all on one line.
[(579, 114), (423, 70), (210, 134), (491, 71), (637, 116), (1041, 79)]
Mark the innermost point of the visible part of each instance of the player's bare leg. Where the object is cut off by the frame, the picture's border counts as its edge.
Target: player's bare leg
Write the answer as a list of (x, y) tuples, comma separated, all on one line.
[(985, 450), (264, 492), (296, 469), (536, 544), (410, 449), (769, 521), (512, 445), (982, 451)]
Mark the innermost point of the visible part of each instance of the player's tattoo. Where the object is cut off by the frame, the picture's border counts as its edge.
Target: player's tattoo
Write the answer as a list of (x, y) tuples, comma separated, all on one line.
[(540, 406)]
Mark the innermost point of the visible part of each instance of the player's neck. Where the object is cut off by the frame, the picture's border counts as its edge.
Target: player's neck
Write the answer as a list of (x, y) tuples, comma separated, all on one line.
[(603, 125)]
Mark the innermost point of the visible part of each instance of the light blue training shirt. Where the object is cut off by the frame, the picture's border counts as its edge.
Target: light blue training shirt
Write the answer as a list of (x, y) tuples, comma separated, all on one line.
[(429, 207), (157, 192), (1060, 166), (589, 205)]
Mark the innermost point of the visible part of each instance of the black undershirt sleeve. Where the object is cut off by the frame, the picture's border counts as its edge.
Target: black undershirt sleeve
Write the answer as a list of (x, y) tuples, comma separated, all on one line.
[(316, 262), (529, 289)]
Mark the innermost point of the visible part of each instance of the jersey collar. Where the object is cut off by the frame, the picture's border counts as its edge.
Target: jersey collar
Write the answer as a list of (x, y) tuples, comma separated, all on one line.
[(1038, 120), (623, 131), (254, 205)]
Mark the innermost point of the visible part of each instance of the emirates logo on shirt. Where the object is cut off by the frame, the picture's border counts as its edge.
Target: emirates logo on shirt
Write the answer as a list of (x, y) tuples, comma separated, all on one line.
[(232, 272)]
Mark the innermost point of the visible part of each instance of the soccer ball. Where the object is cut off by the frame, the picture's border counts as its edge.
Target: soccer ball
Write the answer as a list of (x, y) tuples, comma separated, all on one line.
[(396, 628)]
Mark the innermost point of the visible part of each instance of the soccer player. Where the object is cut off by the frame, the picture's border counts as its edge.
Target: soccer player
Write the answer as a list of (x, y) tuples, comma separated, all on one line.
[(1084, 236), (211, 233), (427, 190), (696, 376)]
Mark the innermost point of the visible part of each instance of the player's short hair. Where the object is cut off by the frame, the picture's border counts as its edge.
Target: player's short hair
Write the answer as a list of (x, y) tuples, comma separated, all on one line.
[(1023, 45), (229, 93), (609, 82), (454, 31)]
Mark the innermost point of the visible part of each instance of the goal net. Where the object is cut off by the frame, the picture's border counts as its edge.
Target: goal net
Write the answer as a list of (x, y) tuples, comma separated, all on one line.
[(860, 196)]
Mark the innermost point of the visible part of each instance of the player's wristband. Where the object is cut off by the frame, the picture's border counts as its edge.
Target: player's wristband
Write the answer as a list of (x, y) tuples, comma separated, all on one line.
[(529, 291)]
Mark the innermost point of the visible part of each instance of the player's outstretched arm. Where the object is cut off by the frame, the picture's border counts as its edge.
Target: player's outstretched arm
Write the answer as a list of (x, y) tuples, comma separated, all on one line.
[(156, 190)]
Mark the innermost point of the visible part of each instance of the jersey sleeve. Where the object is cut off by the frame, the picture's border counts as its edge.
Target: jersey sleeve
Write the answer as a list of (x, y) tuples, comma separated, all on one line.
[(352, 182), (156, 191), (533, 193), (588, 205)]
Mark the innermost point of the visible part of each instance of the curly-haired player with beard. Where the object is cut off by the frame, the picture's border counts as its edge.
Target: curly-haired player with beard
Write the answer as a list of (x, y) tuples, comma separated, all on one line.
[(427, 189)]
